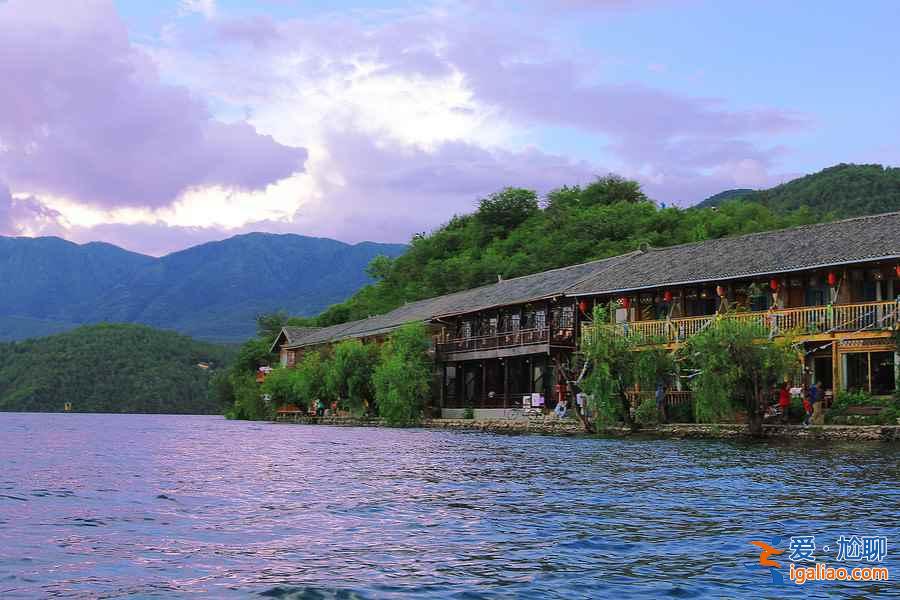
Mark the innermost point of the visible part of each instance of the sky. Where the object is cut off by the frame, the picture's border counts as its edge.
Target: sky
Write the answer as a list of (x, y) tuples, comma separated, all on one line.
[(158, 125)]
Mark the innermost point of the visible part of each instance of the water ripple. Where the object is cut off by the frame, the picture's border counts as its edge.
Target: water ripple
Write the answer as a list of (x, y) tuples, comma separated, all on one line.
[(120, 506)]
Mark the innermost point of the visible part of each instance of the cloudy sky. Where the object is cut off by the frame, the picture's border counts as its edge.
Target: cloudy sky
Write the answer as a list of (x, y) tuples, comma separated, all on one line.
[(159, 125)]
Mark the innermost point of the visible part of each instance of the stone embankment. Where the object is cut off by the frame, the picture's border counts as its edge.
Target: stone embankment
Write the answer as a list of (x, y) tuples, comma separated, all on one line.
[(551, 425)]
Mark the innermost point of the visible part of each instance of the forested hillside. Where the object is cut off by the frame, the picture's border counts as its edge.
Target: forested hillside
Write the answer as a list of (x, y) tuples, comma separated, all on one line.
[(513, 233), (843, 190), (213, 291), (111, 368)]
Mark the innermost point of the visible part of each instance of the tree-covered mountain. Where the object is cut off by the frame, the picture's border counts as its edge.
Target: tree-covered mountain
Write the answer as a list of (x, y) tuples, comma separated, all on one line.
[(725, 196), (514, 232), (844, 190), (213, 291), (111, 368)]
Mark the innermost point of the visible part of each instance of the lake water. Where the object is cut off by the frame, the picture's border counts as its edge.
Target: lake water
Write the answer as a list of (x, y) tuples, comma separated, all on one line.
[(170, 506)]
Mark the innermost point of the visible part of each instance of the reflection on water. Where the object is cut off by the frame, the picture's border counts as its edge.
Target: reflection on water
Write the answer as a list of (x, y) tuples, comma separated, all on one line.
[(170, 506)]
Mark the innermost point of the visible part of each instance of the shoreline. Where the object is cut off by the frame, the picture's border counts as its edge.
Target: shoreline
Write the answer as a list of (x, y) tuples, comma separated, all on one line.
[(571, 428)]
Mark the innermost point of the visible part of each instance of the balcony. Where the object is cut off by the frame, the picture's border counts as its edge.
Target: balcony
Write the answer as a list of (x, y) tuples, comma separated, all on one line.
[(805, 321), (510, 343)]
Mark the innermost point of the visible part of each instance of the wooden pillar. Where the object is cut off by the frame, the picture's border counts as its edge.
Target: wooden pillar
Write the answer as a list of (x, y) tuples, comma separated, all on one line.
[(835, 369), (442, 397), (483, 382), (506, 383)]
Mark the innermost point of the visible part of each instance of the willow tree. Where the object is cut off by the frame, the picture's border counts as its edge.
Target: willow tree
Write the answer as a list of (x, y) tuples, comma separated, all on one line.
[(402, 377), (348, 376), (308, 379), (735, 365), (616, 363)]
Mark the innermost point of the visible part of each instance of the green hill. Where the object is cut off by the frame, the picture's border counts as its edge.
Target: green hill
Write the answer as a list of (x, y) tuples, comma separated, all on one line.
[(111, 368), (725, 196), (213, 291), (515, 233), (844, 190)]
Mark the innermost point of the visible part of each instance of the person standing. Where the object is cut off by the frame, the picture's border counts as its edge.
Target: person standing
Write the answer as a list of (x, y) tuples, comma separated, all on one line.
[(784, 401), (661, 402), (817, 400), (807, 404)]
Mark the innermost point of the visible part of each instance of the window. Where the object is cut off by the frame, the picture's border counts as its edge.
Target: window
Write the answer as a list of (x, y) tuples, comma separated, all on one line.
[(873, 372), (857, 371), (450, 394), (884, 372)]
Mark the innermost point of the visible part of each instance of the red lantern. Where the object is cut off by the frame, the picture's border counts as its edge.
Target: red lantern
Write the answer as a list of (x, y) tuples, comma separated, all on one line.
[(667, 295), (583, 306), (624, 302), (773, 285), (720, 291), (897, 271), (832, 278)]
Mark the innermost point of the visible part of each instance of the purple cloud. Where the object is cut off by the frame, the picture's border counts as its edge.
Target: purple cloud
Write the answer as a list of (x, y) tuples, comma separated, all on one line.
[(389, 192), (29, 214), (89, 118)]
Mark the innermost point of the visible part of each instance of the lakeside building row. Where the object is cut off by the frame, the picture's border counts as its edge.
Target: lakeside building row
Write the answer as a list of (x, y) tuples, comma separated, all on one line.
[(834, 286)]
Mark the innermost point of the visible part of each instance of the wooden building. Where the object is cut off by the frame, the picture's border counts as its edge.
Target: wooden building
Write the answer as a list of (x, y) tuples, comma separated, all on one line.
[(834, 286)]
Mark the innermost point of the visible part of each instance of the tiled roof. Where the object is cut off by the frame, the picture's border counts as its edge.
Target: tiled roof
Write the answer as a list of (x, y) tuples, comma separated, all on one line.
[(768, 253), (292, 335), (823, 245)]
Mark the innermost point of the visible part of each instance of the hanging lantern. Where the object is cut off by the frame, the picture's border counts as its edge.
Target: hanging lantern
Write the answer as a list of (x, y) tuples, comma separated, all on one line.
[(583, 306), (667, 295), (624, 302), (832, 278), (897, 271), (720, 291), (773, 285)]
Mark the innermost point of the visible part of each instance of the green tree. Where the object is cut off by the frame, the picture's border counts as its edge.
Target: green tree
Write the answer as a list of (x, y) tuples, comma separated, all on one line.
[(253, 354), (617, 363), (402, 378), (248, 402), (279, 386), (309, 379), (735, 365), (612, 189), (506, 209), (348, 376)]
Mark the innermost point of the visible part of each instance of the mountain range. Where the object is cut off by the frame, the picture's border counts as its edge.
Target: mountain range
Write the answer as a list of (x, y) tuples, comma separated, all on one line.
[(844, 190), (212, 291)]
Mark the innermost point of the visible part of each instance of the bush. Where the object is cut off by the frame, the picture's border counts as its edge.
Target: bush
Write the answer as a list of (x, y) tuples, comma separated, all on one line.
[(680, 413), (839, 413), (647, 413)]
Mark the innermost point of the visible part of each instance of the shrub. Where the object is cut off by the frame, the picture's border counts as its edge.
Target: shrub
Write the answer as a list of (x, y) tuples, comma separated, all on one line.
[(647, 413)]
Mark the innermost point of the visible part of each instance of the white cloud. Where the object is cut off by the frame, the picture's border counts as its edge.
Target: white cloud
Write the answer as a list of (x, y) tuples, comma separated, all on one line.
[(207, 8)]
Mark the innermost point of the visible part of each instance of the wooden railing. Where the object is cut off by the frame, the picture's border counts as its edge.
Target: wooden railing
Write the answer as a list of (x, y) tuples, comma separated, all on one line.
[(807, 320), (673, 397), (508, 339)]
